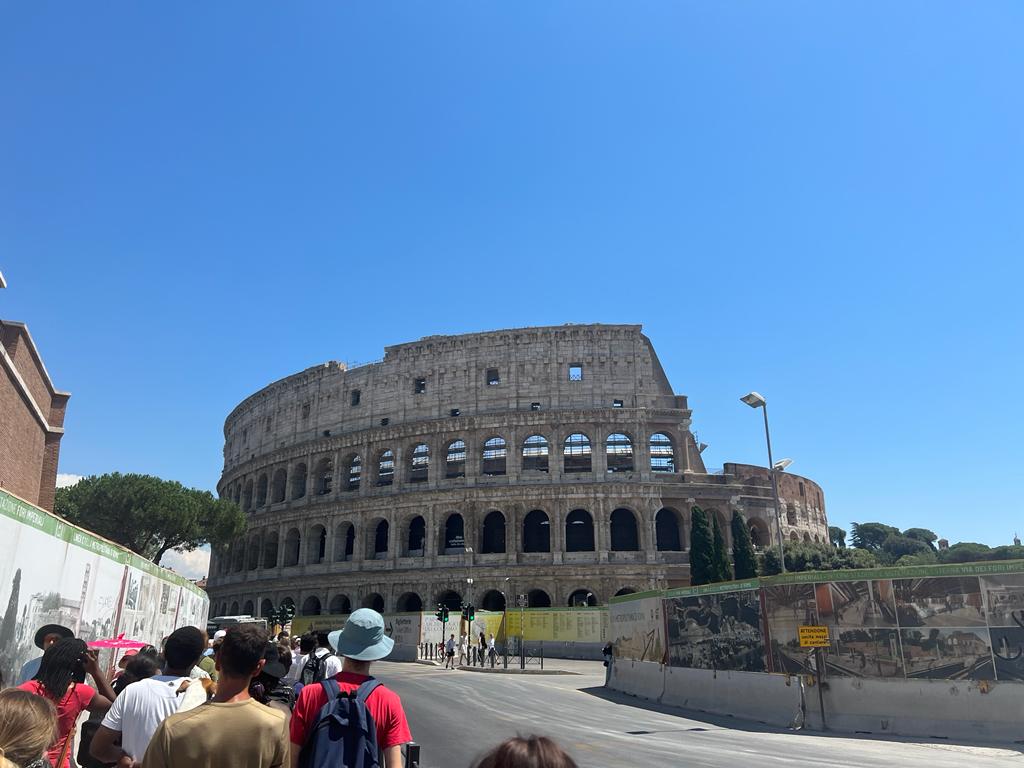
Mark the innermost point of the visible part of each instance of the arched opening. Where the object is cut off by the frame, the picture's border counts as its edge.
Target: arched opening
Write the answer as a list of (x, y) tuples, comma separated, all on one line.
[(618, 450), (374, 601), (790, 512), (495, 454), (261, 491), (288, 601), (536, 532), (253, 555), (311, 606), (625, 537), (417, 535), (266, 607), (386, 468), (380, 540), (535, 454), (455, 459), (409, 602), (454, 535), (323, 477), (793, 536), (538, 598), (248, 608), (350, 542), (279, 487), (579, 531), (238, 556), (666, 530), (234, 609), (451, 600), (247, 496), (759, 535), (582, 597), (492, 539), (340, 605), (291, 547), (238, 492), (576, 453), (299, 481), (419, 464), (625, 591), (493, 600), (663, 453), (807, 537), (353, 473), (317, 545), (341, 542)]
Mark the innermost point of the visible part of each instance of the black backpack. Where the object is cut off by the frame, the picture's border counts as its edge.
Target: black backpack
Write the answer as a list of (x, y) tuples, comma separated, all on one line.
[(344, 735), (314, 668)]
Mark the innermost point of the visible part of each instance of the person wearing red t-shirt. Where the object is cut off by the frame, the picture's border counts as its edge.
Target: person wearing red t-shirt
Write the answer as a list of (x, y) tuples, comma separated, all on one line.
[(61, 679), (361, 642)]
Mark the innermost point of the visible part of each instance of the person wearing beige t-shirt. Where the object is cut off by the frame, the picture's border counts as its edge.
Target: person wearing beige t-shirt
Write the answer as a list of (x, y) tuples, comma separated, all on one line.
[(233, 730)]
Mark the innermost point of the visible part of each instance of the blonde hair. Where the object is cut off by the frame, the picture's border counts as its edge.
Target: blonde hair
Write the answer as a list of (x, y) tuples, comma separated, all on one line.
[(28, 727)]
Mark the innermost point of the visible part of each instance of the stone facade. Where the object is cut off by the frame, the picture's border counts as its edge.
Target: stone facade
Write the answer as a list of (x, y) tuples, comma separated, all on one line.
[(554, 462), (31, 419)]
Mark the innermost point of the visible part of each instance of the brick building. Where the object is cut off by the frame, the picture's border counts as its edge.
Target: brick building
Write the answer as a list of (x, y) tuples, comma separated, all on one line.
[(31, 419)]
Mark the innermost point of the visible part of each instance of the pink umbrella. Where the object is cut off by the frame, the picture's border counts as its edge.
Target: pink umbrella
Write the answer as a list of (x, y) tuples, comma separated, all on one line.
[(117, 642)]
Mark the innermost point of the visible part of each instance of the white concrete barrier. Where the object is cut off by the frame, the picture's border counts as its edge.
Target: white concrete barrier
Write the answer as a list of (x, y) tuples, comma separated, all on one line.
[(765, 698), (645, 679)]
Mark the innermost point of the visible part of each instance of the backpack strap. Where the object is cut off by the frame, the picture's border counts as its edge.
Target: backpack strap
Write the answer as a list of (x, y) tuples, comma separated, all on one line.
[(368, 687), (331, 688)]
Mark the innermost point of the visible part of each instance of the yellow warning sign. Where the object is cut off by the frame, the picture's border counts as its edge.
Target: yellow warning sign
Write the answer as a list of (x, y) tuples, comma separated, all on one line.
[(814, 637)]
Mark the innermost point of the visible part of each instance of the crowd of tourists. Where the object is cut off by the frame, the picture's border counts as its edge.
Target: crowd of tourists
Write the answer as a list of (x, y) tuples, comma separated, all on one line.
[(241, 699)]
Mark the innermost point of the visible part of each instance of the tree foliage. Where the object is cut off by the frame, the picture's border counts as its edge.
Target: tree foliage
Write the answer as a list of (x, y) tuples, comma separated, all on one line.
[(702, 570), (810, 556), (871, 536), (923, 535), (743, 557), (719, 554), (148, 515), (837, 536)]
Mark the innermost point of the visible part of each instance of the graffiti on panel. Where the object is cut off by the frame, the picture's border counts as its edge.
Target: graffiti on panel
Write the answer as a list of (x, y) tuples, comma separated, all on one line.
[(716, 631)]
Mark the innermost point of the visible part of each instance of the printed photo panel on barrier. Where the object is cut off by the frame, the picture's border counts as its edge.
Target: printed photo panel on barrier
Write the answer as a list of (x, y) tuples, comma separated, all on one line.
[(716, 631), (637, 629)]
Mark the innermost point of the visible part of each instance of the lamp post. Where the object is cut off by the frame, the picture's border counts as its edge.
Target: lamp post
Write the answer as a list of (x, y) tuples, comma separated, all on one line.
[(755, 400)]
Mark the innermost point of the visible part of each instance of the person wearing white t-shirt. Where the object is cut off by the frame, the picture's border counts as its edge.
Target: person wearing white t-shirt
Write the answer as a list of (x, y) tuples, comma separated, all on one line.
[(332, 664), (135, 715), (307, 643)]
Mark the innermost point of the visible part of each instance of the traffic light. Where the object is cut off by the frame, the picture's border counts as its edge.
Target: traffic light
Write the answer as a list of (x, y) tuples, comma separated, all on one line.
[(465, 612), (440, 613), (446, 613), (289, 612), (471, 612)]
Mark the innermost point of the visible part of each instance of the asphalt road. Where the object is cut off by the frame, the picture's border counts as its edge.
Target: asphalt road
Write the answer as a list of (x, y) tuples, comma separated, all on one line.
[(455, 715)]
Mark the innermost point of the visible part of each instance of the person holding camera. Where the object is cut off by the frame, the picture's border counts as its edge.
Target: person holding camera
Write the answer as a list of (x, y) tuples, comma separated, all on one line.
[(61, 679)]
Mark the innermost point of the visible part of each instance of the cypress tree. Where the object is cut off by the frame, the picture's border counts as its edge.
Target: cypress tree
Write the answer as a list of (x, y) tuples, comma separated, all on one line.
[(701, 548), (721, 569), (742, 550)]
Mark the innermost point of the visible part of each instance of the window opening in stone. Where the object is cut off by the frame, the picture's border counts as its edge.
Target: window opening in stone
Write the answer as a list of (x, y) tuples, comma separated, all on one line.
[(385, 421), (279, 487), (386, 468), (536, 532), (340, 605), (582, 597), (451, 600), (538, 598), (619, 453), (666, 531), (579, 531), (454, 535), (380, 540), (299, 481), (493, 600), (417, 534), (355, 472), (534, 406), (625, 537), (305, 410), (419, 386), (409, 602), (494, 456), (535, 454), (616, 403), (455, 461), (492, 377), (261, 491), (350, 542), (324, 476), (419, 464), (455, 412), (291, 547), (355, 396), (576, 453), (801, 489), (341, 541), (270, 550), (576, 372), (374, 601), (663, 458), (492, 539)]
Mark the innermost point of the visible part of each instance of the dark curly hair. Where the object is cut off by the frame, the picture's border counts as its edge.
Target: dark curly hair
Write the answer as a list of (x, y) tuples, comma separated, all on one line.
[(63, 664)]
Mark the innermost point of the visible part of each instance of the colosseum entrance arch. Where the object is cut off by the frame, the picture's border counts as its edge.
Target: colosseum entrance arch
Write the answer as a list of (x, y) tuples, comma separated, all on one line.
[(493, 601), (538, 598), (667, 530), (579, 531), (624, 533), (340, 605), (409, 602), (311, 606), (454, 540), (416, 537), (375, 601), (492, 538), (450, 599), (536, 532)]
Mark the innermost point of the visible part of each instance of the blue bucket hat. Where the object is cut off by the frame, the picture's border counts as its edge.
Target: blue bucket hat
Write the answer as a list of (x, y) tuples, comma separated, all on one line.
[(362, 638)]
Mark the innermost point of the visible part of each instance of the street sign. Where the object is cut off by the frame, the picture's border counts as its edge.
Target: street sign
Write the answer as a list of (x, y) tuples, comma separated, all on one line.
[(522, 601), (814, 637)]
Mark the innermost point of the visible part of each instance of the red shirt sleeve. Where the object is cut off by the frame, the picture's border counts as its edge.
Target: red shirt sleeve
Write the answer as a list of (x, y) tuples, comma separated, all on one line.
[(85, 694), (307, 708), (395, 728)]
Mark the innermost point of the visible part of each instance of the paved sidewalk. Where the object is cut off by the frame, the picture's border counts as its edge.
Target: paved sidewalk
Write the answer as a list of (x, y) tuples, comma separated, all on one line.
[(551, 667)]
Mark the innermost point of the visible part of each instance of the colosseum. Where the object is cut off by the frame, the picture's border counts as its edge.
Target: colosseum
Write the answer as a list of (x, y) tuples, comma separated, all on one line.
[(552, 462)]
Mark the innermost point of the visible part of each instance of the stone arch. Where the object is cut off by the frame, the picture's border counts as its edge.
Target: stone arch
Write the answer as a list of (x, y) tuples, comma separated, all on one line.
[(377, 546), (419, 463), (625, 537), (253, 554), (375, 601), (493, 600), (292, 540), (807, 537), (299, 481), (662, 450), (238, 557), (576, 454), (416, 537), (317, 543), (538, 598), (385, 468), (625, 591), (579, 531), (238, 493), (455, 459), (353, 472), (450, 599), (344, 541), (492, 534), (340, 605), (279, 486), (453, 540), (409, 602), (790, 510), (582, 597), (536, 532), (247, 496), (234, 608), (311, 606), (535, 453), (323, 476), (266, 607), (760, 535), (495, 455), (618, 450), (793, 536), (261, 490), (668, 530), (248, 608)]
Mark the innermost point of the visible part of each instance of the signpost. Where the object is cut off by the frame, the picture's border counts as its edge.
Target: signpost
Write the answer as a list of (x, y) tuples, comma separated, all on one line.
[(522, 601), (816, 637)]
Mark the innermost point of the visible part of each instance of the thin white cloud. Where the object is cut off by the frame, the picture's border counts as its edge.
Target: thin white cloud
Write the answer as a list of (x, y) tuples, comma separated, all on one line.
[(65, 480), (191, 565)]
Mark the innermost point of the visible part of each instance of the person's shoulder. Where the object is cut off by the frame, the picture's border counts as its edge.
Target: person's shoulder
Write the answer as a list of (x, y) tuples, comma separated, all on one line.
[(272, 715), (387, 695)]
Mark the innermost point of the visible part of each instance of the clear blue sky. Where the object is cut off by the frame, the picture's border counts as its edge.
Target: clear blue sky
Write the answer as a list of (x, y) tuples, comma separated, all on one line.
[(820, 201)]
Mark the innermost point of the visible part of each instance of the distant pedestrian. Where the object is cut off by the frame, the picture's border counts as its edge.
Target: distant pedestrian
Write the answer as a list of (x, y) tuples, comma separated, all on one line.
[(45, 636), (526, 752), (463, 649), (321, 664), (28, 726), (492, 653), (449, 652), (608, 652), (482, 648)]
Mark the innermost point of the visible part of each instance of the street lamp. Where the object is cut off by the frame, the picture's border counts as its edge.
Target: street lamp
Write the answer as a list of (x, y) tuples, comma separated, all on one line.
[(755, 400)]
